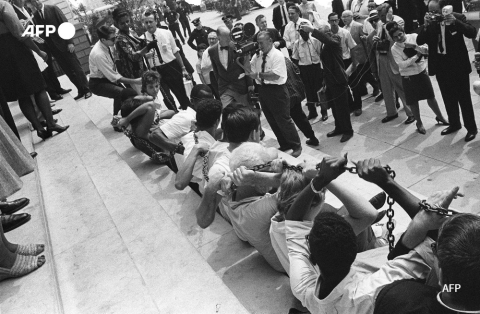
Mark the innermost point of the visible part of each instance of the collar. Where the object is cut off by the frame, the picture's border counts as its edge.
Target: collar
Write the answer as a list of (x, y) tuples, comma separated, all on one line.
[(337, 291), (439, 299)]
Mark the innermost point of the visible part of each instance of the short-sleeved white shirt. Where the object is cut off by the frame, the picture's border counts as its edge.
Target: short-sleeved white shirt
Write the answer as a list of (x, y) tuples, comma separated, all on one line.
[(275, 62), (347, 42), (166, 45), (179, 125)]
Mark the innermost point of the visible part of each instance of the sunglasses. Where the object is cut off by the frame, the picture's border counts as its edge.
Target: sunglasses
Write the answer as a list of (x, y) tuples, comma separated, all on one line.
[(434, 248)]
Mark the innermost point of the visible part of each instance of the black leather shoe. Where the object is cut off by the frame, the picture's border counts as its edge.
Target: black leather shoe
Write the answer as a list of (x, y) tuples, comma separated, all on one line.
[(58, 128), (378, 200), (409, 120), (388, 119), (56, 111), (8, 208), (379, 97), (88, 94), (449, 130), (33, 154), (63, 91), (334, 133), (10, 222), (358, 112), (346, 137), (376, 92), (313, 141), (56, 97), (80, 95), (312, 115), (44, 123), (470, 136)]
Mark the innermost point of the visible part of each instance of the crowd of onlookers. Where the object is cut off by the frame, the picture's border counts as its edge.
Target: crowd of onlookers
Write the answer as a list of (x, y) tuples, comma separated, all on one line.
[(210, 135)]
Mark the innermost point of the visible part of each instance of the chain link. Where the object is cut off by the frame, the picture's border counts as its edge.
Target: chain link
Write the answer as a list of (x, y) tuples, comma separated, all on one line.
[(205, 159), (436, 209)]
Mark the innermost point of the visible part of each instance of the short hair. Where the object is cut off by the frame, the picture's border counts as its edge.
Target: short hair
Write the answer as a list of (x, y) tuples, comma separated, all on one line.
[(149, 77), (458, 253), (149, 13), (202, 46), (105, 31), (201, 91), (294, 7), (393, 27), (129, 105), (259, 17), (208, 112), (238, 122), (331, 14), (347, 12), (214, 32), (264, 34), (249, 154), (333, 244), (384, 6), (118, 13)]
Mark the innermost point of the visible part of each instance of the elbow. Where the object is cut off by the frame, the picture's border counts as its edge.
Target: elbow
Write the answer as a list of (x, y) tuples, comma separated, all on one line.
[(202, 222), (179, 185)]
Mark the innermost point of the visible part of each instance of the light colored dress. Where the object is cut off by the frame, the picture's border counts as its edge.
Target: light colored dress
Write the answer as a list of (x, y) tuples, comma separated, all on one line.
[(15, 161), (304, 8)]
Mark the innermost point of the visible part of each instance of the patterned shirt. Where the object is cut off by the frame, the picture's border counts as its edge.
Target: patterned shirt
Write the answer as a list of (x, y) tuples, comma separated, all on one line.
[(129, 63)]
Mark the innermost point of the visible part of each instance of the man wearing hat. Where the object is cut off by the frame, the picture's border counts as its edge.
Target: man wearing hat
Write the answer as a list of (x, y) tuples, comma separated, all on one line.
[(199, 34), (228, 20)]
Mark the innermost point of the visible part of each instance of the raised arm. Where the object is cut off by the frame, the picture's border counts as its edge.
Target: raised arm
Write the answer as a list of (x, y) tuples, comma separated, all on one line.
[(185, 173), (205, 212)]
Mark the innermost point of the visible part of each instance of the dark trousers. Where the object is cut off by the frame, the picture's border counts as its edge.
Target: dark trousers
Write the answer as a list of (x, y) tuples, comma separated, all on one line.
[(172, 80), (71, 66), (53, 85), (214, 85), (357, 82), (300, 119), (337, 96), (346, 64), (275, 103), (455, 89), (6, 114), (312, 77), (103, 87), (186, 26), (175, 28)]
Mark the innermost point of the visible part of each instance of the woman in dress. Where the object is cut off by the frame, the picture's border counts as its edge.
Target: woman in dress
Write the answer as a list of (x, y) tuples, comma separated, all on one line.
[(20, 77), (306, 6), (415, 80)]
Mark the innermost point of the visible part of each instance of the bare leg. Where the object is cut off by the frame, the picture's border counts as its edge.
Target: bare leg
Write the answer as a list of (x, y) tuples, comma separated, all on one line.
[(41, 99), (415, 108), (26, 106), (7, 258), (432, 103)]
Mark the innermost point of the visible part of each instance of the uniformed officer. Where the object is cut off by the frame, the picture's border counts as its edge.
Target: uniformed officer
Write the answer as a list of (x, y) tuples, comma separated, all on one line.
[(199, 34), (228, 20)]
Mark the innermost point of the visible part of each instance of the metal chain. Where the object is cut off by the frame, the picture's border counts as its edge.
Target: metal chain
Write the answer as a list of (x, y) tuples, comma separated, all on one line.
[(205, 159), (436, 209), (390, 213)]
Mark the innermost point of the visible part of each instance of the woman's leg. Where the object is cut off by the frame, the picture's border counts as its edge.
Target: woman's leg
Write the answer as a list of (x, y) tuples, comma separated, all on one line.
[(26, 106), (7, 257), (41, 99), (432, 103)]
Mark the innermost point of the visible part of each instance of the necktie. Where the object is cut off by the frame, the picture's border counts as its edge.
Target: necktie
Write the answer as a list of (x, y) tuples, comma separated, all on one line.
[(284, 16), (158, 51), (224, 48), (113, 60), (41, 14), (296, 32), (264, 61)]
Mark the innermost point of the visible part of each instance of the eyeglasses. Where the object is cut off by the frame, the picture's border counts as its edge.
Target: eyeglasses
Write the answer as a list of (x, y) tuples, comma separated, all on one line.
[(333, 21), (434, 248), (111, 39)]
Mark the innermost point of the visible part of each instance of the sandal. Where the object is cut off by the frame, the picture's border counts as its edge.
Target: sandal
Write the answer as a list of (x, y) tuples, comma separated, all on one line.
[(30, 249), (23, 265)]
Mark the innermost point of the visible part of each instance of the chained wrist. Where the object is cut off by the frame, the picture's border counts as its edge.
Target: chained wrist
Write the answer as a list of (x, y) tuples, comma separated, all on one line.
[(317, 184)]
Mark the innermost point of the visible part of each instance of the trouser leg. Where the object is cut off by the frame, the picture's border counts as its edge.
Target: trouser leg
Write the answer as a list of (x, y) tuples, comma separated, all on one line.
[(387, 85), (449, 99), (301, 121), (465, 101), (72, 68), (172, 76), (338, 98), (105, 88)]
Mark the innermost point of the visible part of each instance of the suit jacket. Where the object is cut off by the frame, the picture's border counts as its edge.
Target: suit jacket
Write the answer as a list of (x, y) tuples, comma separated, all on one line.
[(53, 16), (275, 34), (277, 19), (456, 57), (332, 58), (359, 53), (228, 78)]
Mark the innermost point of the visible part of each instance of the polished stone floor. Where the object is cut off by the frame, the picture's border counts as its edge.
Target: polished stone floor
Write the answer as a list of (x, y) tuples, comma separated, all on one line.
[(121, 239)]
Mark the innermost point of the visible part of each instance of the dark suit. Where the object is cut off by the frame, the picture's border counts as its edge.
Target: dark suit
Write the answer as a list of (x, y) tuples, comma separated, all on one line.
[(275, 34), (228, 78), (335, 79), (277, 19), (452, 69), (59, 47), (53, 85)]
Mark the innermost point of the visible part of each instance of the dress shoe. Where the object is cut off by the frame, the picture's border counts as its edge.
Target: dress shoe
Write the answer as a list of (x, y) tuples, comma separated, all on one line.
[(63, 91), (346, 137), (358, 112), (80, 95), (449, 130), (44, 123), (44, 134), (397, 104), (379, 97), (8, 208), (56, 111), (10, 222), (421, 129), (297, 151), (88, 94), (470, 136), (334, 133), (376, 92), (378, 200), (312, 115), (410, 120), (313, 141), (441, 122), (388, 119), (56, 97), (33, 154), (57, 128)]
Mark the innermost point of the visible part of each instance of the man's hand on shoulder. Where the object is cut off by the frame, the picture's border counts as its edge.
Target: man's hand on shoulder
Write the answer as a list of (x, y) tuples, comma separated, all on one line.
[(71, 48)]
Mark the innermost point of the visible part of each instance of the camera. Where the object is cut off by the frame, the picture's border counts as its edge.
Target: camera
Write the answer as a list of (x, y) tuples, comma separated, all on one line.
[(434, 17), (242, 36)]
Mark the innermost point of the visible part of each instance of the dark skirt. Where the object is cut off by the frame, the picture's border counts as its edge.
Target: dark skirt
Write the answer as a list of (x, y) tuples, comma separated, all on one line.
[(417, 87), (19, 73)]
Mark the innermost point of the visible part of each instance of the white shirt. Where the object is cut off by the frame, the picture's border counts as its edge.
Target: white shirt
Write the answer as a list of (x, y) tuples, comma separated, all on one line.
[(367, 27), (307, 52), (275, 62), (166, 45), (250, 219), (223, 56), (205, 76), (179, 125), (408, 66), (347, 42), (291, 32), (207, 62), (356, 293), (101, 63)]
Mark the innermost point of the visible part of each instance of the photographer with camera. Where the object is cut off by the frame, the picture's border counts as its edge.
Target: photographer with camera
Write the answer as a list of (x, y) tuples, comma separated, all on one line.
[(449, 62)]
